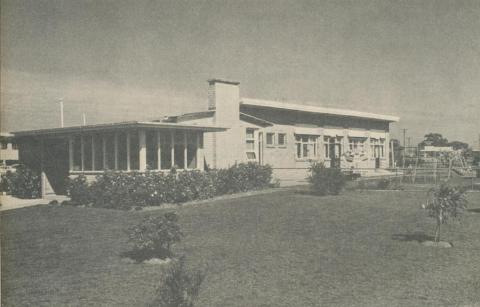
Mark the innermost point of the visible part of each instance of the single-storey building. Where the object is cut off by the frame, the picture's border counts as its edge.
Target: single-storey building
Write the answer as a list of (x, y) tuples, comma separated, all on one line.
[(231, 129), (8, 151)]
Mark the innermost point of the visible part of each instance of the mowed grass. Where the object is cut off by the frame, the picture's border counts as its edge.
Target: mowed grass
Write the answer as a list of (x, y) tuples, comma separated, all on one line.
[(286, 248)]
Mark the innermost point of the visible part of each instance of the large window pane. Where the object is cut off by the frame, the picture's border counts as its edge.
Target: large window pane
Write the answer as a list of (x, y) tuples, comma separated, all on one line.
[(87, 152), (166, 150), (98, 148), (179, 151), (122, 151), (152, 157), (134, 154), (192, 150), (77, 153), (110, 150)]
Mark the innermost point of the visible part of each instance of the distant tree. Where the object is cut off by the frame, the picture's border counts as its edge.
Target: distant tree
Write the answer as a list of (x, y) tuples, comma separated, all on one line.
[(433, 139), (457, 145)]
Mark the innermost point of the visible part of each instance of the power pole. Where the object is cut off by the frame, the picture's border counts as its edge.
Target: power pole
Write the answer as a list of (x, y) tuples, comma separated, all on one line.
[(61, 113), (404, 138)]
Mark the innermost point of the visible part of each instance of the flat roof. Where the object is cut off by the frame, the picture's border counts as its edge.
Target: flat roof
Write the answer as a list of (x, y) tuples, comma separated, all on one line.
[(115, 126), (319, 110)]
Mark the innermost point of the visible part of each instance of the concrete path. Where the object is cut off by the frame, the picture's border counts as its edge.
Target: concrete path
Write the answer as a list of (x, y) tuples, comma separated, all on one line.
[(8, 202)]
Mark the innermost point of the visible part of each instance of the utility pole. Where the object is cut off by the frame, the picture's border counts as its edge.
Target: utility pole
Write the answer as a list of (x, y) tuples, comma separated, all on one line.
[(61, 113), (403, 155)]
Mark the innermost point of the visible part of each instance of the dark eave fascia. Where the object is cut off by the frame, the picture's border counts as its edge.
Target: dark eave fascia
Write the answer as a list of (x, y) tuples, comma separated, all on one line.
[(117, 126)]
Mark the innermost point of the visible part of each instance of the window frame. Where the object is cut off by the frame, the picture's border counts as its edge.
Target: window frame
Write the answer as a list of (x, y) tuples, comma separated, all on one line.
[(299, 140), (284, 144), (249, 140), (274, 141)]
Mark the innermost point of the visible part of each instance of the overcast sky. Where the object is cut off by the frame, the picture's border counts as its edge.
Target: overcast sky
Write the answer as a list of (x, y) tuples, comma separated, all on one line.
[(140, 60)]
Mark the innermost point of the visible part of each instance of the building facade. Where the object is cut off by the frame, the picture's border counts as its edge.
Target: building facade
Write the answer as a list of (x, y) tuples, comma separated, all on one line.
[(8, 151), (230, 130), (290, 136)]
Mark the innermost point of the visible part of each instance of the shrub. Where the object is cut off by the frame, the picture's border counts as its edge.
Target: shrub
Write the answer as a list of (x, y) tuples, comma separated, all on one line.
[(443, 202), (326, 181), (154, 236), (181, 286), (126, 190), (23, 183), (78, 190)]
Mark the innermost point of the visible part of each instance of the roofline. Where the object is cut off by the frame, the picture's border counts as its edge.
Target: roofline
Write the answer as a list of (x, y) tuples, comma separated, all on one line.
[(314, 109), (115, 126), (211, 81)]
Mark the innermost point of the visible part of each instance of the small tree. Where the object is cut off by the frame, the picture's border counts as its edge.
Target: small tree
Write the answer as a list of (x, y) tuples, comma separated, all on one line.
[(181, 286), (443, 202), (155, 235)]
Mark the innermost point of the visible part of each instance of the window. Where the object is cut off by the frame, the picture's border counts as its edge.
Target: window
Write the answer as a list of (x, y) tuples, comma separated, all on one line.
[(192, 150), (110, 150), (306, 146), (282, 139), (14, 146), (356, 145), (270, 139), (151, 147), (77, 153), (377, 147), (250, 144), (332, 146), (97, 152), (179, 149), (4, 145), (166, 150)]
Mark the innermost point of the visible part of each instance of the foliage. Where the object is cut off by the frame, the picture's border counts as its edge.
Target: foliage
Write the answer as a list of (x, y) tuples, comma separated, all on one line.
[(124, 190), (443, 202), (155, 235), (457, 145), (23, 183), (433, 139), (326, 181), (78, 190), (181, 286)]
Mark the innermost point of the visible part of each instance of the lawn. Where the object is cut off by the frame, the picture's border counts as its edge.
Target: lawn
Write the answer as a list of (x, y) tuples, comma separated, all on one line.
[(286, 248)]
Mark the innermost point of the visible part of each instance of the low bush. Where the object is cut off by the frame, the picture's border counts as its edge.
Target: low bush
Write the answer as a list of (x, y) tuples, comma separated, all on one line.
[(154, 236), (181, 286), (126, 190), (78, 190), (23, 183), (326, 181)]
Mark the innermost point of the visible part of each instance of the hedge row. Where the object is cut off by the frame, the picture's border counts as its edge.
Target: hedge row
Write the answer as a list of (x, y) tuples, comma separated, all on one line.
[(126, 190), (22, 183)]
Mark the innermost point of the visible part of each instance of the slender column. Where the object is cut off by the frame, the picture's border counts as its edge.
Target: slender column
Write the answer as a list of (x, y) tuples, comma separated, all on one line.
[(82, 152), (185, 144), (115, 150), (386, 149), (128, 150), (142, 150), (200, 153), (159, 151), (70, 153), (172, 142), (104, 151), (43, 177), (93, 152)]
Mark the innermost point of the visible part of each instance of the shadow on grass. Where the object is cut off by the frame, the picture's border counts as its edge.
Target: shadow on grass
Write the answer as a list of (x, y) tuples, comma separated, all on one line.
[(141, 255), (416, 236), (474, 210)]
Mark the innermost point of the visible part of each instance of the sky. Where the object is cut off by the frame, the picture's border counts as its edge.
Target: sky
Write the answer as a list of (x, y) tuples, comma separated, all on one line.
[(140, 60)]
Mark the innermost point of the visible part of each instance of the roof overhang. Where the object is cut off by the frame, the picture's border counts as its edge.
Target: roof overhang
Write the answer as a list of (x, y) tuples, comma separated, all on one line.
[(318, 110), (118, 126)]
